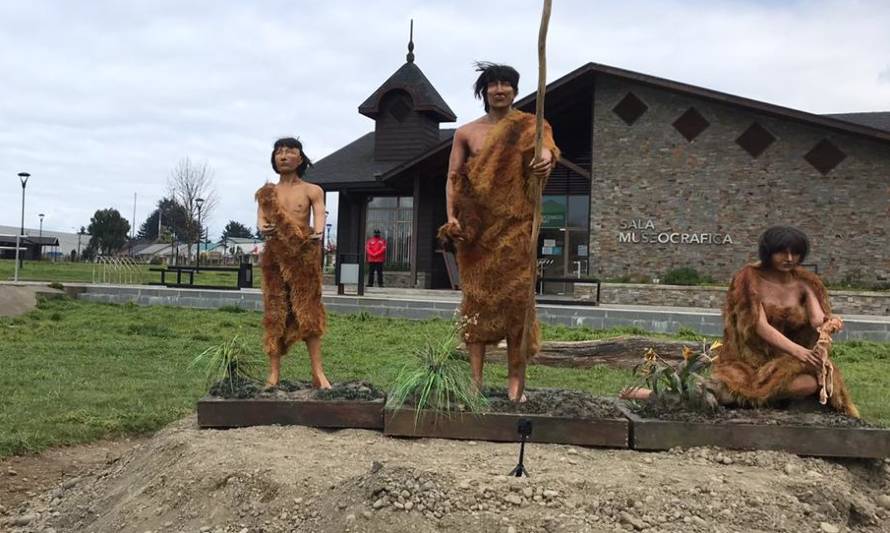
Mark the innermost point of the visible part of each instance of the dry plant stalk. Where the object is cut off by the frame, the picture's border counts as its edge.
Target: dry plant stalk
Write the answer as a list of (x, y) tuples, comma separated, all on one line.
[(823, 346)]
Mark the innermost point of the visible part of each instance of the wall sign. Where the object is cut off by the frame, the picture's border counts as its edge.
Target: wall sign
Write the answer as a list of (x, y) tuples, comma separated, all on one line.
[(643, 231)]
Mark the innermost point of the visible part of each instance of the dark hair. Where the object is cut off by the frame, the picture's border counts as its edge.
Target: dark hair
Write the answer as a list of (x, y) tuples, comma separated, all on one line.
[(290, 142), (779, 239), (492, 72)]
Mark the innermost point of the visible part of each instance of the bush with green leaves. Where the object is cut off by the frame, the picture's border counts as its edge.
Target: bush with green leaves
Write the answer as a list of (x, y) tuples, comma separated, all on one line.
[(685, 276), (678, 386), (437, 379)]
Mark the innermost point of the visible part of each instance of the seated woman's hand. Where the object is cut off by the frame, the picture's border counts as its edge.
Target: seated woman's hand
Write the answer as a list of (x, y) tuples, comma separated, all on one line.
[(808, 357)]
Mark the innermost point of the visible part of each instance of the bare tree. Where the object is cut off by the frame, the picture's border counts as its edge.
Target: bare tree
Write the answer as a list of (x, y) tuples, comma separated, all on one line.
[(187, 183)]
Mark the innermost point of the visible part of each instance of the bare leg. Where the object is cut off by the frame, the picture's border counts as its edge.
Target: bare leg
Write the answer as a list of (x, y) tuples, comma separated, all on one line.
[(274, 371), (477, 360), (802, 386), (319, 381), (515, 370), (635, 393)]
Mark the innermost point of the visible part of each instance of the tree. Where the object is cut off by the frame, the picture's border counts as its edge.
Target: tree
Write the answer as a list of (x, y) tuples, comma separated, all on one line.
[(236, 229), (108, 230), (172, 221), (187, 183)]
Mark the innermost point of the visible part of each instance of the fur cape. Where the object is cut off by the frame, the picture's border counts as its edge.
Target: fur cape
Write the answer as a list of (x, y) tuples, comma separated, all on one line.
[(493, 204), (750, 370), (291, 264)]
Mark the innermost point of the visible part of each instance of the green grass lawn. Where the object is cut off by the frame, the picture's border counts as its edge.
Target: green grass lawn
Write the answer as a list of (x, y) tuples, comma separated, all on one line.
[(73, 372), (66, 271)]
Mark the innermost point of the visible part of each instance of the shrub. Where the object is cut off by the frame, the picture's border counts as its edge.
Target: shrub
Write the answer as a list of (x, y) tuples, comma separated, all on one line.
[(437, 379), (684, 276)]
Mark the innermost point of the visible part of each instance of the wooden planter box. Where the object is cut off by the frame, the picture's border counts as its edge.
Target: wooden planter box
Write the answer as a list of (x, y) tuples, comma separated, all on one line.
[(502, 427), (821, 441), (225, 413)]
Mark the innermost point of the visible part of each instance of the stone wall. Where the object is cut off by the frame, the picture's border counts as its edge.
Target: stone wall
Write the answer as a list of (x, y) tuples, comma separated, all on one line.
[(648, 174), (842, 302)]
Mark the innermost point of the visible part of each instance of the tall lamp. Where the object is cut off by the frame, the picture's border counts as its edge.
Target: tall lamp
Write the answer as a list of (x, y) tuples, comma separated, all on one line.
[(200, 203), (23, 177)]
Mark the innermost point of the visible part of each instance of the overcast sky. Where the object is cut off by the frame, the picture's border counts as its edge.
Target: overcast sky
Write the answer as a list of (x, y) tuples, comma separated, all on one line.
[(100, 99)]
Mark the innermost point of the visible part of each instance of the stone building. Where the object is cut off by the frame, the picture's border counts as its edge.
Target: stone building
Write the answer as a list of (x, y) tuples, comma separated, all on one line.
[(655, 175)]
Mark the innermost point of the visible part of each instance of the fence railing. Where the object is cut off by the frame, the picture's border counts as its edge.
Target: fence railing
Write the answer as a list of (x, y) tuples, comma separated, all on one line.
[(117, 271)]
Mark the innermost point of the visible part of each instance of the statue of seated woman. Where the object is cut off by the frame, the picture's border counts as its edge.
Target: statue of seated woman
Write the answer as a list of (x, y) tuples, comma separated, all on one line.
[(774, 314)]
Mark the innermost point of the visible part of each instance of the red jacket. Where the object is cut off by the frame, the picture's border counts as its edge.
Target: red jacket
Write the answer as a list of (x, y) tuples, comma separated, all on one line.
[(375, 249)]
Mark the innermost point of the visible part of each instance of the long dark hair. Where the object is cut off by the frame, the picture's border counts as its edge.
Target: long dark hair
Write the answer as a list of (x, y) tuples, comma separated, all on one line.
[(779, 239), (492, 72), (290, 142)]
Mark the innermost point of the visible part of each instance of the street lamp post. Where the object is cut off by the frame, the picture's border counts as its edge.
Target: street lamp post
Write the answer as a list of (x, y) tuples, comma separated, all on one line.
[(41, 234), (23, 177), (200, 203)]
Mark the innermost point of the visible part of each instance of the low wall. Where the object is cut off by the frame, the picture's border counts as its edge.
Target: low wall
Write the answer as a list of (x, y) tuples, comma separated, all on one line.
[(401, 280), (661, 320), (842, 302)]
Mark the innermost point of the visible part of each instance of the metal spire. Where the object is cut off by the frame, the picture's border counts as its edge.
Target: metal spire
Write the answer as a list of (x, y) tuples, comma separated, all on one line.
[(410, 56)]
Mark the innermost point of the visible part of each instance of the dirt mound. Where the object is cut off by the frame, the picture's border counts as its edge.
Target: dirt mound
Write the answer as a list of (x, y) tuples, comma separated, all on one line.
[(282, 479), (17, 300)]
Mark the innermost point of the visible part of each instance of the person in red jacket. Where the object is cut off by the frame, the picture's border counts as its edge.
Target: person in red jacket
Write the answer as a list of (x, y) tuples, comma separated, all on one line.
[(375, 251)]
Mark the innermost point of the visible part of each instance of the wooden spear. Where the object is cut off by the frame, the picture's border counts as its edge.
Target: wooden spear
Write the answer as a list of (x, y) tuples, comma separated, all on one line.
[(535, 189)]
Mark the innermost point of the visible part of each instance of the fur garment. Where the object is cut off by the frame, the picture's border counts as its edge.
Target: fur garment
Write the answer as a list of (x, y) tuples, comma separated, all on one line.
[(752, 371), (292, 278), (493, 206)]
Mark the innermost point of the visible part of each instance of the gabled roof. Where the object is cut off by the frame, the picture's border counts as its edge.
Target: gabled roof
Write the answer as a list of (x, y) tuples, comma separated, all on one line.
[(878, 119), (355, 163), (592, 69), (410, 79)]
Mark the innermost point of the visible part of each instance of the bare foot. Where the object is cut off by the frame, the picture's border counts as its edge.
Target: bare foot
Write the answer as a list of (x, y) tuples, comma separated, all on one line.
[(272, 380), (635, 393), (320, 382)]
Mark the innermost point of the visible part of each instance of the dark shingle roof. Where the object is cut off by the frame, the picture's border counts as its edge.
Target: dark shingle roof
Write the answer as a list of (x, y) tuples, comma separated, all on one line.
[(878, 119), (355, 163), (410, 79)]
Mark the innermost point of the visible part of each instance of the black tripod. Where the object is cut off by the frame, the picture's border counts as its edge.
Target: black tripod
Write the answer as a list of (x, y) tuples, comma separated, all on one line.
[(524, 427)]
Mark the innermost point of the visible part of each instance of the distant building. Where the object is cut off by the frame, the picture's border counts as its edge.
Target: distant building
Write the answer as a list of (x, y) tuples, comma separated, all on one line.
[(52, 244)]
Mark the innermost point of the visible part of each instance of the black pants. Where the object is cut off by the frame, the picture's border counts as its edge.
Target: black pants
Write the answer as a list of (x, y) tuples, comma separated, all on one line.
[(372, 267)]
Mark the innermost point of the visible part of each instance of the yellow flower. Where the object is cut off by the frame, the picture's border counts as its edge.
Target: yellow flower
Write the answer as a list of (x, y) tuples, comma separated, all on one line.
[(650, 355), (687, 352), (716, 345)]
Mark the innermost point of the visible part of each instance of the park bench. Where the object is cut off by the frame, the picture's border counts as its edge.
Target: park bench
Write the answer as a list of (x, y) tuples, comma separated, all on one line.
[(244, 277)]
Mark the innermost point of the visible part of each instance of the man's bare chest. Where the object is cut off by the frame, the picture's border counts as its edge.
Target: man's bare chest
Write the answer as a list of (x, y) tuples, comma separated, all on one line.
[(293, 199), (476, 138)]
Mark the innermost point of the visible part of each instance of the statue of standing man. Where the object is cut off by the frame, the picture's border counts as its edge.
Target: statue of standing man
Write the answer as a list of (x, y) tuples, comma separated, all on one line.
[(291, 261), (490, 211)]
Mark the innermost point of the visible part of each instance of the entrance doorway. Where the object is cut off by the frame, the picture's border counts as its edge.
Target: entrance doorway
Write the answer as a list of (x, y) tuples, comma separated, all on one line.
[(564, 240)]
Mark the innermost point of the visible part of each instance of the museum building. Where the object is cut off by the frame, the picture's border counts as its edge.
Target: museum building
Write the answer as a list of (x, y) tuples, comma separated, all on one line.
[(654, 175)]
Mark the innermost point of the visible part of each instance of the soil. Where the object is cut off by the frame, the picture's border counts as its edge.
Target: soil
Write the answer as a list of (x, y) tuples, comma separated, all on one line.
[(554, 402), (300, 479), (806, 415), (297, 390), (23, 477)]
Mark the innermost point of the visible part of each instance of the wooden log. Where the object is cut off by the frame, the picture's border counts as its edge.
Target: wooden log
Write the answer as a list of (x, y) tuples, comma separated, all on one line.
[(623, 352)]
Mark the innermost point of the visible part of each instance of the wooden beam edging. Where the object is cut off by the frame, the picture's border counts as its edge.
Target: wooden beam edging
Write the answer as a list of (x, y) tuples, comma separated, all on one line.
[(234, 413), (818, 441), (502, 427)]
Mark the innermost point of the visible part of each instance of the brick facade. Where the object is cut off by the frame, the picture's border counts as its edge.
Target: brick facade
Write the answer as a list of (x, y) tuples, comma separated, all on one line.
[(648, 171)]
